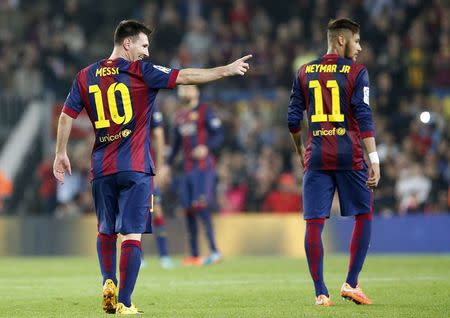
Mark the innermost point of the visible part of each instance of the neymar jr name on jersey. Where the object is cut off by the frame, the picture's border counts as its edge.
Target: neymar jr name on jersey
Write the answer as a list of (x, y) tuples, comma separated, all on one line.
[(326, 68), (105, 71)]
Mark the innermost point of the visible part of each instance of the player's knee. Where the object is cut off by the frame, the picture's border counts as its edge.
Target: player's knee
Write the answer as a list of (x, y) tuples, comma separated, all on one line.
[(316, 221), (131, 236), (365, 216), (107, 236)]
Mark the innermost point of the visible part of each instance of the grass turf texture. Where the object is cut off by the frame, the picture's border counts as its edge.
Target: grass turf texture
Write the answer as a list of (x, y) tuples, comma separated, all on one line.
[(400, 286)]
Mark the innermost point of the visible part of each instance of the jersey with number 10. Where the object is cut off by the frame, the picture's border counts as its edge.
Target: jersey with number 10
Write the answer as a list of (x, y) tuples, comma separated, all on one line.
[(118, 96), (334, 91)]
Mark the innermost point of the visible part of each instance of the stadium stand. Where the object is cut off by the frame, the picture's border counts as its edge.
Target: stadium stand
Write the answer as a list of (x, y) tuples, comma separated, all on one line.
[(44, 43)]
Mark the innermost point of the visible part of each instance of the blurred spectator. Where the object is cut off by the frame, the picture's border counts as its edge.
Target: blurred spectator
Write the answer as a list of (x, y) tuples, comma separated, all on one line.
[(5, 189), (28, 77), (286, 198), (412, 189), (406, 47), (47, 186), (198, 41)]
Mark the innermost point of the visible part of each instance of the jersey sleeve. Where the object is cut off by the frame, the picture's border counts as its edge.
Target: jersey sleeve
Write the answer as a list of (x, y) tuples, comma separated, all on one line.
[(73, 104), (296, 106), (214, 126), (157, 117), (157, 76), (360, 104)]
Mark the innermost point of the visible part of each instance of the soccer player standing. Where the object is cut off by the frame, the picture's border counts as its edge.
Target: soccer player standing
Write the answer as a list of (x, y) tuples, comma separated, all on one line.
[(334, 91), (198, 132), (159, 221), (118, 94)]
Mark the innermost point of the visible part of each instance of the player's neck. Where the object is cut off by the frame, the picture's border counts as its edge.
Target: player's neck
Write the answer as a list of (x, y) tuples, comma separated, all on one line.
[(334, 50), (119, 53)]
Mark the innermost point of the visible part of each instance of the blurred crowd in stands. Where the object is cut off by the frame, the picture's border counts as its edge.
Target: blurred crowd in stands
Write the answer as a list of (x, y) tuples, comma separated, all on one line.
[(406, 47)]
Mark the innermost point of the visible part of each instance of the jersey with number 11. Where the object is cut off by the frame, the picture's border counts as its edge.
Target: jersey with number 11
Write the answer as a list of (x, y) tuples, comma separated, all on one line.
[(118, 96), (334, 92)]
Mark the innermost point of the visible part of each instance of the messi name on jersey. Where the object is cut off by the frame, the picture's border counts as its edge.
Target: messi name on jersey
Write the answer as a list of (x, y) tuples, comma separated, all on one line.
[(326, 68), (105, 71)]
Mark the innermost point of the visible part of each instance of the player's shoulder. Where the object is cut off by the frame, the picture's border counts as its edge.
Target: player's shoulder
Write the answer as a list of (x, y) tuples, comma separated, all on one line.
[(302, 70), (357, 67), (85, 70), (146, 62), (305, 65), (91, 68), (360, 74)]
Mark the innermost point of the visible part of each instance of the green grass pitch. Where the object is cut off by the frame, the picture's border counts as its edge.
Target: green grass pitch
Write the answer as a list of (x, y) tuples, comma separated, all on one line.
[(400, 286)]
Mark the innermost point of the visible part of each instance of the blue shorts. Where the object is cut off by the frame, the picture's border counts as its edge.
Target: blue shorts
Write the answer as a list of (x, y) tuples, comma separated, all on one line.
[(198, 188), (123, 202), (319, 187)]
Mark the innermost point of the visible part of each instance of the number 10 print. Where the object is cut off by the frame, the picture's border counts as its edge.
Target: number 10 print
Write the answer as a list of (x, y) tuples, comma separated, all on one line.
[(101, 121)]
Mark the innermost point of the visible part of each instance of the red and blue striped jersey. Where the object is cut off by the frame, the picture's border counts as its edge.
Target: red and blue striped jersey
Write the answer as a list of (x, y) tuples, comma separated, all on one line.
[(334, 92), (193, 127), (118, 96)]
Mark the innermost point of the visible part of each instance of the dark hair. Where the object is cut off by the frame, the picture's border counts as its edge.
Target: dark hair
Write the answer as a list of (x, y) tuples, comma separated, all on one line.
[(344, 23), (128, 28)]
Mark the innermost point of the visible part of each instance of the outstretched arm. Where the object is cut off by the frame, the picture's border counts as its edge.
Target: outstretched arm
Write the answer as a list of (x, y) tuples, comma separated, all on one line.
[(204, 75), (62, 163)]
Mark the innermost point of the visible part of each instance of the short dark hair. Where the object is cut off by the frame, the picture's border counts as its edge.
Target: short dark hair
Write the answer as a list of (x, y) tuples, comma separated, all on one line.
[(344, 23), (128, 28)]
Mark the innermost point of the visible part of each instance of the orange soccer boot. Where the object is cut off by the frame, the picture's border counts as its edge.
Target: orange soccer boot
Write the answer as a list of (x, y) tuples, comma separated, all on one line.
[(192, 261), (355, 294), (323, 300)]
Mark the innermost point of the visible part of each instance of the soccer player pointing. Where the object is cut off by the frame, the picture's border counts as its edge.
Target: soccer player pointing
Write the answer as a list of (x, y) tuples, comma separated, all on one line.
[(334, 92), (118, 94)]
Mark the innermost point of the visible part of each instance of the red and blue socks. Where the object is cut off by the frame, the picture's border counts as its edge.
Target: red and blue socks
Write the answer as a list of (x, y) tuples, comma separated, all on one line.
[(314, 253), (159, 227), (106, 251), (359, 246), (130, 262)]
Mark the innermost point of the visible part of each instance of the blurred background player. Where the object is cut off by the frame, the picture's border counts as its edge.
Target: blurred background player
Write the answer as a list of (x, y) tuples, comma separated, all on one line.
[(161, 180), (198, 132), (334, 91), (118, 94)]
